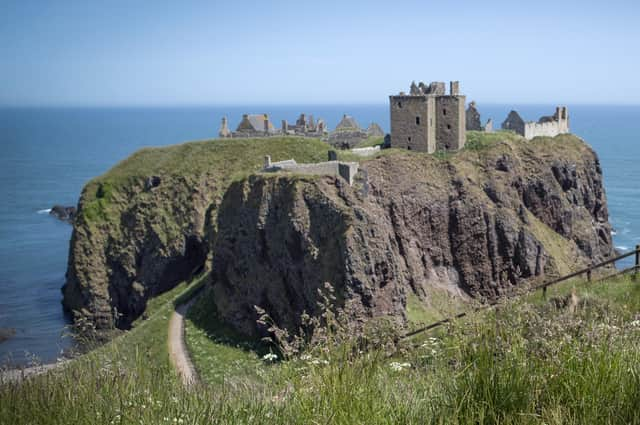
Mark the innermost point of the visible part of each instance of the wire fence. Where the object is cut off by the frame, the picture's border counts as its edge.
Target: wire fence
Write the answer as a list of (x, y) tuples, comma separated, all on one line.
[(544, 285)]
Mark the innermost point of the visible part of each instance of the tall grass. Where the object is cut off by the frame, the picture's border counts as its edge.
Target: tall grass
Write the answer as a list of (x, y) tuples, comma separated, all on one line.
[(523, 363)]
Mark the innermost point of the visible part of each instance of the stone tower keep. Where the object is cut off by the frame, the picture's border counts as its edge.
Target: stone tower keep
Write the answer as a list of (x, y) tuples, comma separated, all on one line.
[(427, 119)]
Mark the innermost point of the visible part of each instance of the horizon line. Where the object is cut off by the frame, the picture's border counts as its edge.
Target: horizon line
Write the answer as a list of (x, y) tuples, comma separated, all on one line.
[(234, 104)]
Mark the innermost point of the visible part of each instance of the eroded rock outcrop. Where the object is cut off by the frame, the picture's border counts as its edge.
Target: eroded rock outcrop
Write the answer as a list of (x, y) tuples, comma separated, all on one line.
[(152, 242), (482, 223)]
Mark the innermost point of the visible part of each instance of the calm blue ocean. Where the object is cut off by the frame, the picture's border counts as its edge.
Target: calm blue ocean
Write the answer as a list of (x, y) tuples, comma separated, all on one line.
[(48, 154)]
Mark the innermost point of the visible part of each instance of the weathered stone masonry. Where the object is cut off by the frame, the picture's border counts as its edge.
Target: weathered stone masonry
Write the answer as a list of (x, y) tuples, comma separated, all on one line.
[(427, 119), (550, 126), (346, 170)]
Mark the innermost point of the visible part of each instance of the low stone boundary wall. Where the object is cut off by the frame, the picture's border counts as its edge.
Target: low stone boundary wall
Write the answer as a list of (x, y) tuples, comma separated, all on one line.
[(346, 170), (370, 150)]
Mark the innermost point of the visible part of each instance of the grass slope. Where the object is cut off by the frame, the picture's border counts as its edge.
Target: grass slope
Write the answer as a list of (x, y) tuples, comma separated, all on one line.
[(221, 160)]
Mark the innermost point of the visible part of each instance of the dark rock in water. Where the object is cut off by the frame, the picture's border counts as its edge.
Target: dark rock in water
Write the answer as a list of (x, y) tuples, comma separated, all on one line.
[(6, 333), (63, 213)]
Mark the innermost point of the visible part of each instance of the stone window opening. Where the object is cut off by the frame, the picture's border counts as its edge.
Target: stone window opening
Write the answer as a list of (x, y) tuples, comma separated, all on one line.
[(444, 112), (448, 126), (417, 120), (399, 104), (409, 139)]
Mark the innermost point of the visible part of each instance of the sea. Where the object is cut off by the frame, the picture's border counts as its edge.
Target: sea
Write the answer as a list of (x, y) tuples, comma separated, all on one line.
[(48, 154)]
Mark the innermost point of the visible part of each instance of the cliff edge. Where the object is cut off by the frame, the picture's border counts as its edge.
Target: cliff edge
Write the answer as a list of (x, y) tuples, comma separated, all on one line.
[(476, 223)]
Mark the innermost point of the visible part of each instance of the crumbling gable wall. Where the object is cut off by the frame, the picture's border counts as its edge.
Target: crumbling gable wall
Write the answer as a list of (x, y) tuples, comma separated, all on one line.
[(473, 122), (514, 123)]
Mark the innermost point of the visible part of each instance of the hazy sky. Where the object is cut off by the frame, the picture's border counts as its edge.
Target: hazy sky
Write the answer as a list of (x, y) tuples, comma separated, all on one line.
[(197, 53)]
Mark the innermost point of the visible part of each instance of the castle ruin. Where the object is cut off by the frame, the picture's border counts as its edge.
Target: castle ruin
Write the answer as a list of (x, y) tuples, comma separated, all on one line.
[(305, 127), (259, 125), (427, 119), (550, 126), (473, 120), (332, 167)]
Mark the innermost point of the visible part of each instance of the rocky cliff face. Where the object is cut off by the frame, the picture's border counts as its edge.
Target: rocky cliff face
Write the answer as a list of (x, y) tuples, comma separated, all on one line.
[(478, 223), (481, 222), (155, 241), (145, 225)]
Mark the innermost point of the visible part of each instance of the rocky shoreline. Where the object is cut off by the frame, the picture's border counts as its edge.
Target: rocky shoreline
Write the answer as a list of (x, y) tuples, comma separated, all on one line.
[(63, 213)]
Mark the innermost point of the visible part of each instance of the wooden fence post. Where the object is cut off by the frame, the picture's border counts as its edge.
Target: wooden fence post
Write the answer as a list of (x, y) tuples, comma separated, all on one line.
[(635, 272)]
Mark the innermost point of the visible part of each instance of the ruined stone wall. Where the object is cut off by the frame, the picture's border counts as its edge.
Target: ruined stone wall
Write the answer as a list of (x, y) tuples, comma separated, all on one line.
[(534, 129), (551, 127), (413, 123), (369, 150), (450, 120), (346, 170)]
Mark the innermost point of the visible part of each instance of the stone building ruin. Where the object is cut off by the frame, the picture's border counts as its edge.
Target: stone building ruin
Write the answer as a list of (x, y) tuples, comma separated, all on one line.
[(427, 119), (332, 167), (550, 126), (348, 133), (374, 130), (251, 125), (259, 125), (305, 127), (474, 123)]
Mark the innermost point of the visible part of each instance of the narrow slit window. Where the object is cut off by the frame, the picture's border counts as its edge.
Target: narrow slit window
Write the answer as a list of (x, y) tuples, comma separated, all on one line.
[(417, 120), (444, 112)]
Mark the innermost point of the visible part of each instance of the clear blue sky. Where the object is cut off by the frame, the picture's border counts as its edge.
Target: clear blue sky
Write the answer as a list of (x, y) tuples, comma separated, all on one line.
[(239, 52)]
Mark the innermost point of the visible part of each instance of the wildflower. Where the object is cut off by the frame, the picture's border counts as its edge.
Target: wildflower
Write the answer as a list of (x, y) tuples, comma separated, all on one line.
[(399, 367), (270, 357), (635, 323)]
